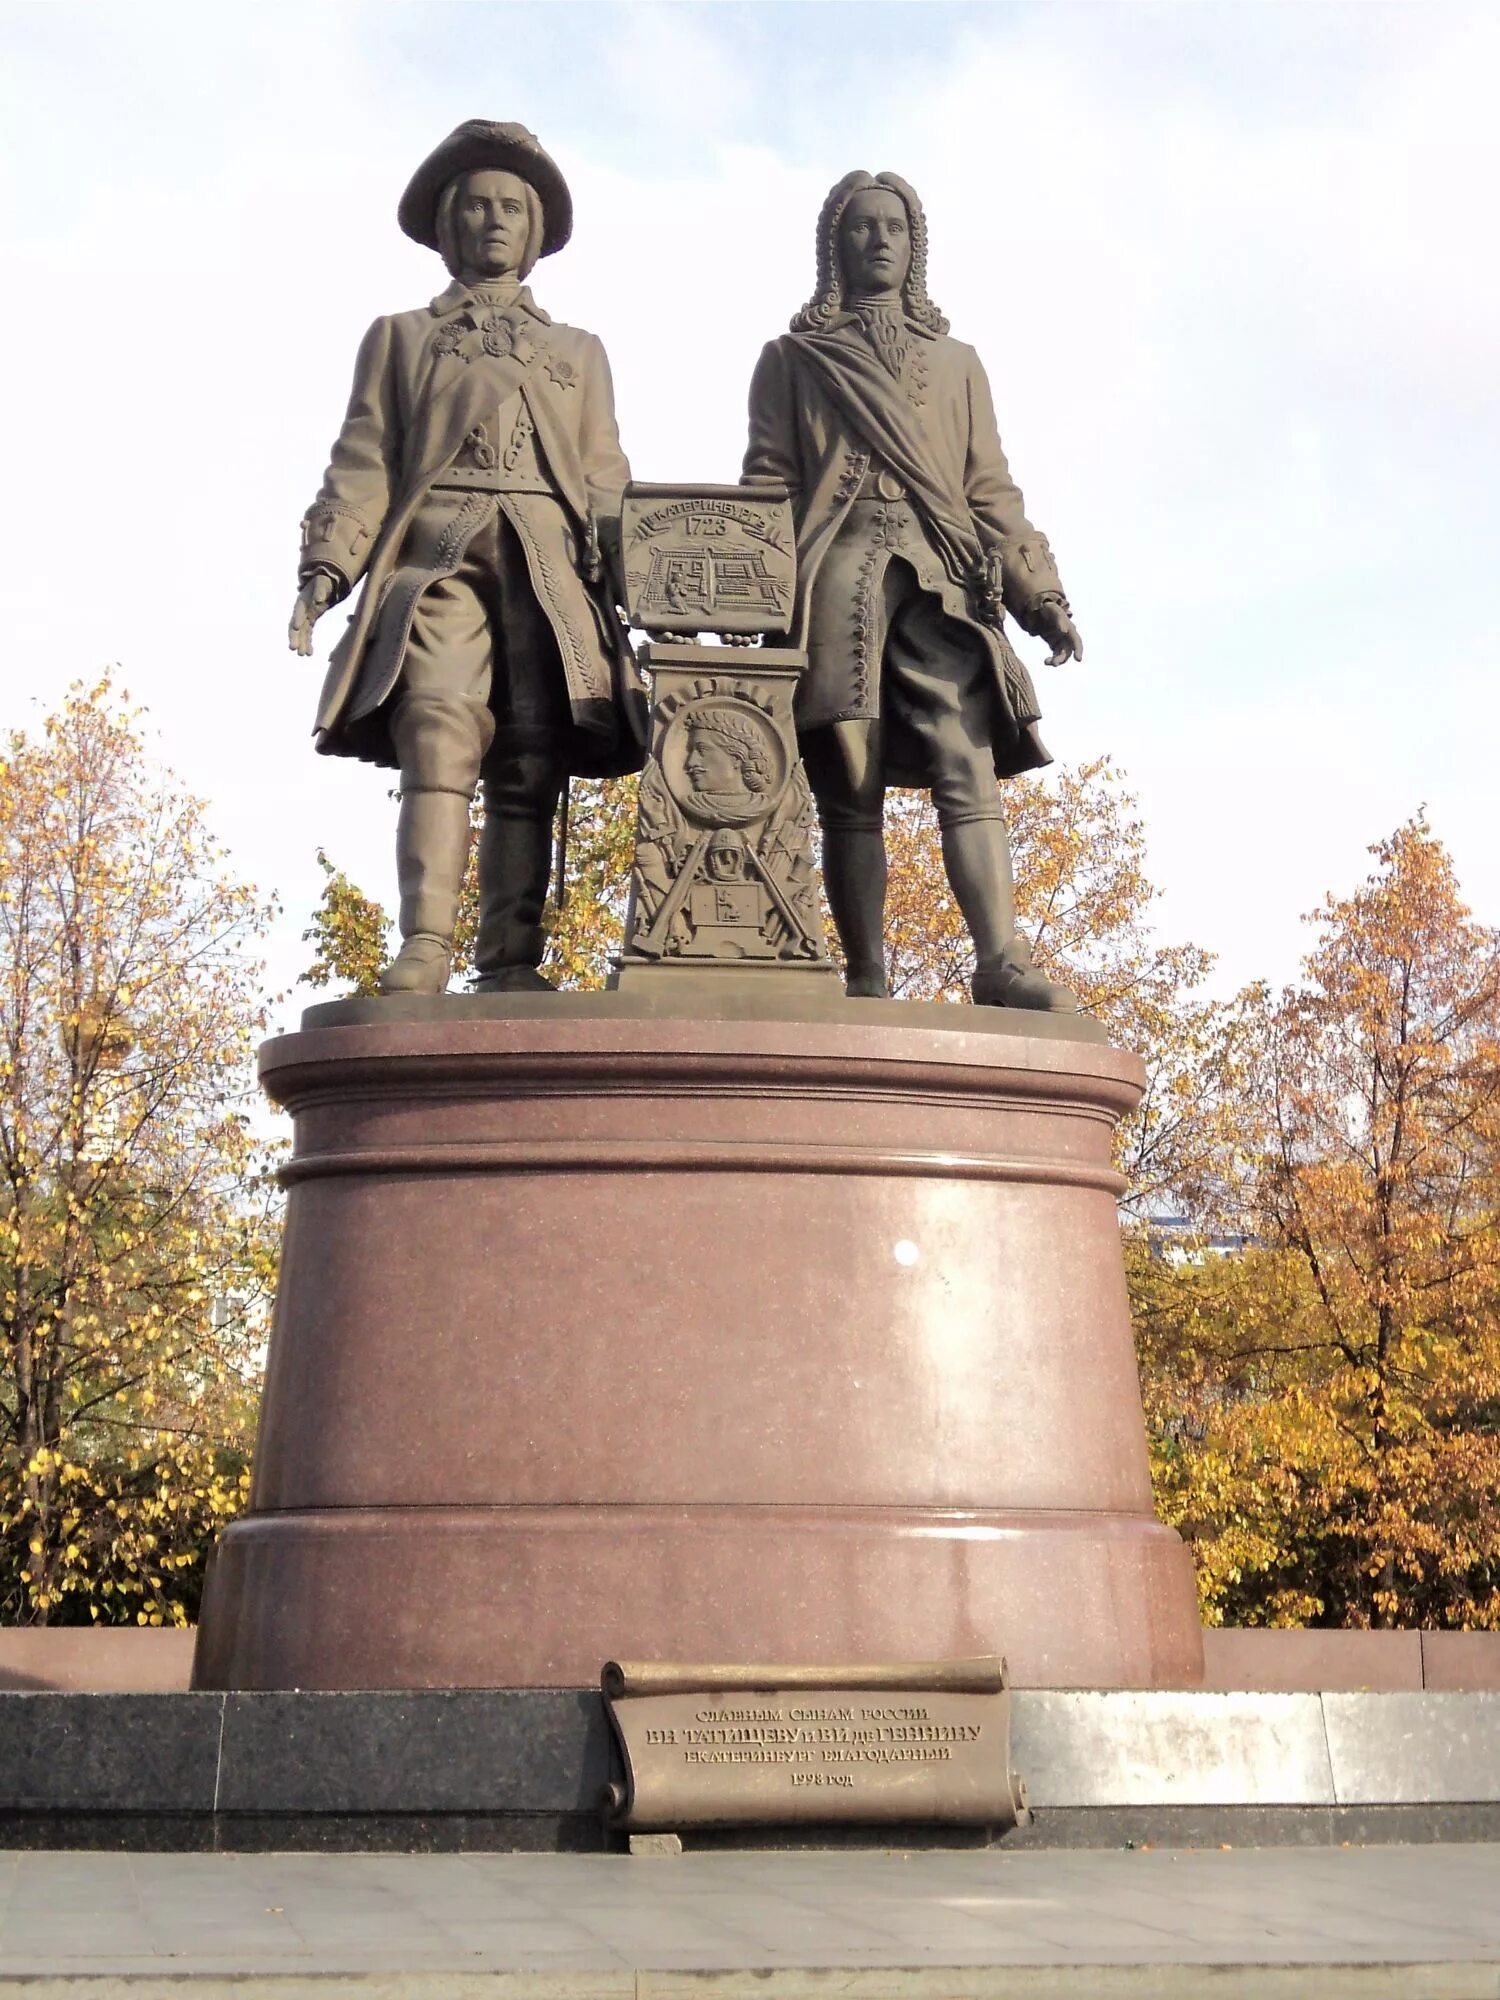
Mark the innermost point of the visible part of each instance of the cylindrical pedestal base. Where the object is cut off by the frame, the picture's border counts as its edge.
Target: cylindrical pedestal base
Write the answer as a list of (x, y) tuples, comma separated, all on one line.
[(602, 1335)]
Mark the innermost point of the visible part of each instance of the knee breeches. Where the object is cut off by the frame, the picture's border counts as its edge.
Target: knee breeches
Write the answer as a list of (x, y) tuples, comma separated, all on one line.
[(937, 718), (482, 690)]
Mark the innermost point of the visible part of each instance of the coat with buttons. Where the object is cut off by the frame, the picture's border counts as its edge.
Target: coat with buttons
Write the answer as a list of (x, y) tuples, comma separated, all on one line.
[(441, 396), (828, 419)]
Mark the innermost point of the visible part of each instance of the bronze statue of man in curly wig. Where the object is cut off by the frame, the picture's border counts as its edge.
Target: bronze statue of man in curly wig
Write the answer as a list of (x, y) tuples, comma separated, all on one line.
[(912, 545)]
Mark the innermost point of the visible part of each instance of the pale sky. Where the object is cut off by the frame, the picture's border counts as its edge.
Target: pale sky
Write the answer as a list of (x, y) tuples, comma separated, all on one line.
[(1232, 270)]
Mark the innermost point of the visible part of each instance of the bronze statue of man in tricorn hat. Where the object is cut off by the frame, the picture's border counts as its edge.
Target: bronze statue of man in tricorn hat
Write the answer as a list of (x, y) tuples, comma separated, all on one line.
[(475, 487), (912, 544)]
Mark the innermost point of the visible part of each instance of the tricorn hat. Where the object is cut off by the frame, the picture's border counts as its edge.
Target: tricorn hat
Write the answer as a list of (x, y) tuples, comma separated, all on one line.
[(472, 146)]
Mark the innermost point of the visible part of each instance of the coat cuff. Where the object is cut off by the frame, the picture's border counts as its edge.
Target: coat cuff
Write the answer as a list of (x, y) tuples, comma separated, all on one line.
[(334, 538), (1029, 576), (336, 577)]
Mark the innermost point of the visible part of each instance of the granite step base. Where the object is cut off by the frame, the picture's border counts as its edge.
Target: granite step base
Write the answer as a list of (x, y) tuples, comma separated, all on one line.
[(524, 1770)]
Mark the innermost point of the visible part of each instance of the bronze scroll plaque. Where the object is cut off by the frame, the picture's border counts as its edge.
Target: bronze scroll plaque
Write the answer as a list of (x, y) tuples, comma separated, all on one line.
[(723, 1746), (708, 558)]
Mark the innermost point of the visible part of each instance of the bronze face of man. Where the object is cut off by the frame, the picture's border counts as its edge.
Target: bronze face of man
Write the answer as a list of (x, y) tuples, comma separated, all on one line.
[(875, 244), (488, 219), (475, 487), (912, 544)]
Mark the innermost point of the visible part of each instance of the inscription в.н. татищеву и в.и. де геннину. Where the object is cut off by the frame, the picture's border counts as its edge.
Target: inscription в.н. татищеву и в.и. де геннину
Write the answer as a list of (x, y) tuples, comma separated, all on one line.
[(802, 1736)]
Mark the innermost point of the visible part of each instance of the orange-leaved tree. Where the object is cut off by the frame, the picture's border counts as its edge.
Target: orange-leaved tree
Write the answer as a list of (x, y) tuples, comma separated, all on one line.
[(1327, 1403), (135, 1257), (1085, 904)]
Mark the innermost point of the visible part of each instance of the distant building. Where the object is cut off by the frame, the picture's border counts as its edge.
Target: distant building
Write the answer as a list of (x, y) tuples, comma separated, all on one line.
[(1179, 1239)]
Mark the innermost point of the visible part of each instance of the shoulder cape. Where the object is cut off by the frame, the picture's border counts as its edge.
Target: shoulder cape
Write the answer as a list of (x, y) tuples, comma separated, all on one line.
[(861, 389)]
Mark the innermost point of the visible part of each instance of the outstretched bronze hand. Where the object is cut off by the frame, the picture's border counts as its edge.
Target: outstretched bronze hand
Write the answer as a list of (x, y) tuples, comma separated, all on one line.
[(1057, 627), (313, 599)]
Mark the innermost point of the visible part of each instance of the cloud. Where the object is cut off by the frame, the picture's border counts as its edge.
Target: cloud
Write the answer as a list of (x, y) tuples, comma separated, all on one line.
[(678, 76)]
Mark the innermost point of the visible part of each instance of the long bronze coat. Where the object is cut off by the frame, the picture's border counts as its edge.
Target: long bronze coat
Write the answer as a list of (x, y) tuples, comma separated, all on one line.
[(828, 418), (425, 387)]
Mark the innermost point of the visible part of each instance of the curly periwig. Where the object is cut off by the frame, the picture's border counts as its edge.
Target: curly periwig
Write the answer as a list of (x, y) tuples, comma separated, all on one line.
[(827, 301)]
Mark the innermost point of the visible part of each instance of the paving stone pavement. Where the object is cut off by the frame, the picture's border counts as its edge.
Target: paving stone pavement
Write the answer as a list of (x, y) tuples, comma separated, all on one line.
[(1402, 1923)]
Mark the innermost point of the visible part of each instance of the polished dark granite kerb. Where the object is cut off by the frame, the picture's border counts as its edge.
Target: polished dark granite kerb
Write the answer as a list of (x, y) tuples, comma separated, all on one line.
[(527, 1750), (522, 1770), (109, 1753), (308, 1833), (534, 1750)]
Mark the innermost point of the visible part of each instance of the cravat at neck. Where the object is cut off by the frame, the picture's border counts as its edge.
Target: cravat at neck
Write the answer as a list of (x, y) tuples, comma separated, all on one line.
[(884, 326)]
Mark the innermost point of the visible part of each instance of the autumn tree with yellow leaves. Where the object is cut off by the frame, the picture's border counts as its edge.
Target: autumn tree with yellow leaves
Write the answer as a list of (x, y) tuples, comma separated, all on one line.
[(1086, 905), (135, 1256), (1327, 1404)]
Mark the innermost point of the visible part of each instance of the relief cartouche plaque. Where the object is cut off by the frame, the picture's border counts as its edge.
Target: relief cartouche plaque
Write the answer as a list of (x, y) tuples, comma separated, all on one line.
[(708, 558)]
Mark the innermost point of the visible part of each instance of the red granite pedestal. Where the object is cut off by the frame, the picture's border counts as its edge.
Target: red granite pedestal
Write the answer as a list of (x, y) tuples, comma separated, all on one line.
[(604, 1331)]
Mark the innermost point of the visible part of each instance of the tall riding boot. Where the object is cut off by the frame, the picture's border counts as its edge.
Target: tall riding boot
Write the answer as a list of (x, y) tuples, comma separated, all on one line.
[(432, 850), (976, 854), (854, 871), (515, 861)]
